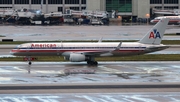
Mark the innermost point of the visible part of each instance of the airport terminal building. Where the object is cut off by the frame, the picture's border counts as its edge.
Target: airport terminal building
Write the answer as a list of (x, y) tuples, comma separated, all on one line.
[(123, 8)]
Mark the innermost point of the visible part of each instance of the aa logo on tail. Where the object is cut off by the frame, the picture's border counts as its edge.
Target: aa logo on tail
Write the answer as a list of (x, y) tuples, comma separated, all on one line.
[(154, 34)]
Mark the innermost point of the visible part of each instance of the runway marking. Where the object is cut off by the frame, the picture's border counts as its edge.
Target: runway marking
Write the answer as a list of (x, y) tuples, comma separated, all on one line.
[(123, 72), (93, 97), (108, 69)]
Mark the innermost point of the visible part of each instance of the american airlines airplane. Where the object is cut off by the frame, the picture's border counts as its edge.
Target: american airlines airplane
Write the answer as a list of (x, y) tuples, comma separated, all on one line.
[(87, 51), (172, 19)]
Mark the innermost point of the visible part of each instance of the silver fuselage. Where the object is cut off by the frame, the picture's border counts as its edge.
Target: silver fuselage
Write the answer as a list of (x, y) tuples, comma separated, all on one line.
[(91, 49)]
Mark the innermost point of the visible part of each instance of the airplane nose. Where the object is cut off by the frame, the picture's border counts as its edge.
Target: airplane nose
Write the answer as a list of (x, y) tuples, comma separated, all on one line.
[(11, 52)]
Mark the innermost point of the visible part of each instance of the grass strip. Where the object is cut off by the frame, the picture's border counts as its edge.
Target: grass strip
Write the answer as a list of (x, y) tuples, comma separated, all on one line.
[(147, 57)]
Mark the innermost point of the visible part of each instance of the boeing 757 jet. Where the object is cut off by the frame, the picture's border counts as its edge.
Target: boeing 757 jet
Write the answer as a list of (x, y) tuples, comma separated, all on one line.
[(87, 51)]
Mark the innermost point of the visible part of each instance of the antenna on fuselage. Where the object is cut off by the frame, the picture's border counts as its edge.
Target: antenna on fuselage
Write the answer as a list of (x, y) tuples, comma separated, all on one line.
[(100, 40)]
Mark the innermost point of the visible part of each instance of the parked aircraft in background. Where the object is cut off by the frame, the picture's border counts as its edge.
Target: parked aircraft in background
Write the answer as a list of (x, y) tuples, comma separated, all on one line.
[(87, 51), (167, 12), (172, 19)]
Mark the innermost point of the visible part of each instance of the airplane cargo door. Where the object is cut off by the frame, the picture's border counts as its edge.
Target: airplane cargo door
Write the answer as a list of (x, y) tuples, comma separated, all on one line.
[(27, 50), (59, 49), (140, 49)]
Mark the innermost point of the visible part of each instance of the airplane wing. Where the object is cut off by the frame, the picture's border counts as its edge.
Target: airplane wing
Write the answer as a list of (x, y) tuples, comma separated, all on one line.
[(93, 53), (99, 52)]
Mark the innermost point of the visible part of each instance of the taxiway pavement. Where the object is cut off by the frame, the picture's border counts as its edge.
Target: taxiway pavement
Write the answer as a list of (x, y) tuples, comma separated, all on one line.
[(71, 72), (43, 33), (109, 81), (93, 97)]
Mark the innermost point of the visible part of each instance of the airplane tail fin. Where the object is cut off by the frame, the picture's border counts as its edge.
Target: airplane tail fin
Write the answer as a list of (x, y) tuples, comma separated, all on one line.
[(155, 35)]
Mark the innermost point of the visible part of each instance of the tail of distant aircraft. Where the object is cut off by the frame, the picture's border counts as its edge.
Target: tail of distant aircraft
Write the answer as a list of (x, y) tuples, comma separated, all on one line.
[(155, 35)]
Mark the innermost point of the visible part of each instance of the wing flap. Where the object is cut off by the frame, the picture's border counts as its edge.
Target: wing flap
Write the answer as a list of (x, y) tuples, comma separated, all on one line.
[(92, 53)]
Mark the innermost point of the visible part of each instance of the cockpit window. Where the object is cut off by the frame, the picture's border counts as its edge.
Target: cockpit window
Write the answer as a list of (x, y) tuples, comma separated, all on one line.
[(17, 47), (157, 18)]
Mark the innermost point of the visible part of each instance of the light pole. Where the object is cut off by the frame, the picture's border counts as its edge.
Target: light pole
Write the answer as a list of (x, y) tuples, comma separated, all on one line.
[(147, 17)]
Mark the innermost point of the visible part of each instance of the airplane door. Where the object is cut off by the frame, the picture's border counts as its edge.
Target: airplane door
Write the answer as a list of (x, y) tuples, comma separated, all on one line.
[(140, 48), (27, 49), (59, 48), (58, 52)]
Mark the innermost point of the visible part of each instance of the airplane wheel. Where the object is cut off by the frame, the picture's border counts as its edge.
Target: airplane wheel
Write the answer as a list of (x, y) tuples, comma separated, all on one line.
[(95, 63), (30, 63), (88, 62), (92, 62)]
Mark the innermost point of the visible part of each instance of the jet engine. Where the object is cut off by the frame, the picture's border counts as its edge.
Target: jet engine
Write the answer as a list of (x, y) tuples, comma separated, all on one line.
[(77, 57)]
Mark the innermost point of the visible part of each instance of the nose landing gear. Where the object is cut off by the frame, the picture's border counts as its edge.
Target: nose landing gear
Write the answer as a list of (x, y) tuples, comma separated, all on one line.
[(30, 63), (28, 58)]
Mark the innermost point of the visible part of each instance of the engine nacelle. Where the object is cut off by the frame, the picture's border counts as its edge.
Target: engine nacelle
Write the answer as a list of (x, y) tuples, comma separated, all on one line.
[(77, 57)]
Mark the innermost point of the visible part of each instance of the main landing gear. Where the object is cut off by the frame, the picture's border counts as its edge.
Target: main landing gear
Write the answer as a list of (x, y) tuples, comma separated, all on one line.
[(92, 63)]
